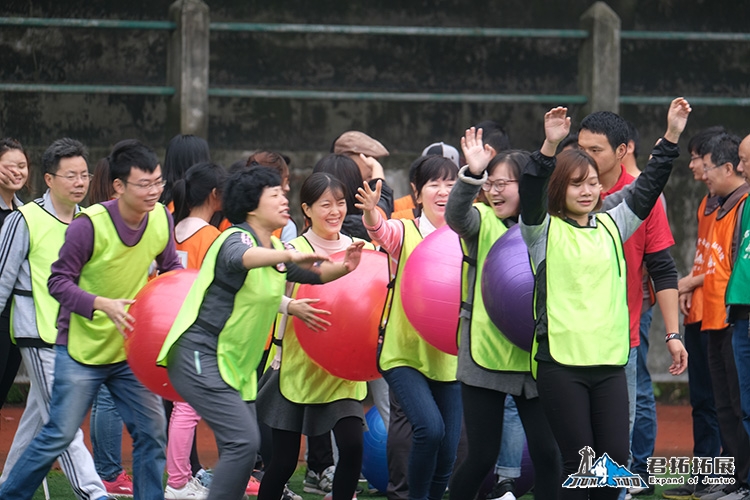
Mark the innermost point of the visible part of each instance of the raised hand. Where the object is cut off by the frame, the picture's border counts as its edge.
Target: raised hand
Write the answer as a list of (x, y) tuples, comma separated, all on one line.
[(556, 128), (477, 154), (367, 198), (677, 117), (353, 255)]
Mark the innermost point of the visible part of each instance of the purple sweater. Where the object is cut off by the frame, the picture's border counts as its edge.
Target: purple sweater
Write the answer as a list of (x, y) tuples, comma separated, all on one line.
[(77, 250)]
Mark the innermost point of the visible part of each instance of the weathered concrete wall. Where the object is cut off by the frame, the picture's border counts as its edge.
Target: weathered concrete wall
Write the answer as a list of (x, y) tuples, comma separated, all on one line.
[(305, 129)]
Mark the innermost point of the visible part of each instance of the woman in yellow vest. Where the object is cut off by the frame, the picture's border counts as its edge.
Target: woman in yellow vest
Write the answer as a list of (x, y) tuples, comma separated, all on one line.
[(489, 365), (297, 396), (197, 197), (422, 378), (581, 341), (217, 340)]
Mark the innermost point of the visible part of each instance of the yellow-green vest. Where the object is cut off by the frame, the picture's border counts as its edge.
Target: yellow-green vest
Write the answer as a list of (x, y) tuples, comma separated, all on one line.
[(242, 339), (401, 344), (46, 237), (490, 349), (301, 380), (587, 306), (115, 271)]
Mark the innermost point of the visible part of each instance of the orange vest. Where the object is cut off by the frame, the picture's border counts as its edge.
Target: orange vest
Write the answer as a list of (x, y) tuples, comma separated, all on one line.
[(700, 264), (718, 269), (196, 246)]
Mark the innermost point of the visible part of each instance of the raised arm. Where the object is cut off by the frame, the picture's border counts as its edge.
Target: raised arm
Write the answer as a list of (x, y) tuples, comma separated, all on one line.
[(536, 173), (458, 212)]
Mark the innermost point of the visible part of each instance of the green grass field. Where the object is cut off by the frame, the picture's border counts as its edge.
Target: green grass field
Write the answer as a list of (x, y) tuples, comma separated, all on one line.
[(60, 489)]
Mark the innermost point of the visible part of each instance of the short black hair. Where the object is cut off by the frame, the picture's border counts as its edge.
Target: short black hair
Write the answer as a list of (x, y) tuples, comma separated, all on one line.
[(432, 168), (243, 190), (609, 124), (62, 148), (723, 148), (317, 184), (494, 134), (698, 140), (634, 136), (129, 154), (346, 170)]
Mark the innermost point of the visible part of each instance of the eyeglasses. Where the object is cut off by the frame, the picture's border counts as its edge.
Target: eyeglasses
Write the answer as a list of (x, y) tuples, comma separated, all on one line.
[(706, 170), (499, 184), (148, 186), (73, 177)]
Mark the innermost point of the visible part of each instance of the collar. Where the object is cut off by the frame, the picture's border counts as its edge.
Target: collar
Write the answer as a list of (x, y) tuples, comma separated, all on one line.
[(622, 181), (731, 200)]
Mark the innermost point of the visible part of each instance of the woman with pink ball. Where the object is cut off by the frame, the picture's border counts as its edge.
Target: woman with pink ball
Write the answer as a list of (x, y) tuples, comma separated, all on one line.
[(422, 378), (490, 366)]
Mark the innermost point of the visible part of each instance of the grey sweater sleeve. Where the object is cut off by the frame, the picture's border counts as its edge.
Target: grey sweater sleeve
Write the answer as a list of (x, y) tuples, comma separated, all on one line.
[(459, 212), (15, 274)]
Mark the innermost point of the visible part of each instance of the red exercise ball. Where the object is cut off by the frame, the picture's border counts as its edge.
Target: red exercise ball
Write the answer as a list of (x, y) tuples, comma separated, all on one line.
[(348, 347), (431, 289), (155, 309)]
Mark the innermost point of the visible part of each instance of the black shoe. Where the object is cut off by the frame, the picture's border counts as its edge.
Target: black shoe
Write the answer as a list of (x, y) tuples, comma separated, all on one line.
[(504, 490)]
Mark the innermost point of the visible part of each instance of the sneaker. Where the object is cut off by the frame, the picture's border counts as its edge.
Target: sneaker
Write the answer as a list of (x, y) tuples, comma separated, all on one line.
[(647, 491), (252, 487), (713, 492), (193, 490), (330, 497), (121, 486), (739, 494), (503, 490), (682, 492), (289, 494), (204, 477), (319, 483)]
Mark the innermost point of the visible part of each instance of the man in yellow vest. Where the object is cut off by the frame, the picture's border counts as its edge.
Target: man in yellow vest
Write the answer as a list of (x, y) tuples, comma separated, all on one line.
[(29, 243), (102, 264)]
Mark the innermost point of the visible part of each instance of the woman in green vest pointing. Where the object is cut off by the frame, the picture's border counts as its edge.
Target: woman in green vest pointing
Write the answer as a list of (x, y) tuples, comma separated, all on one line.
[(217, 340), (581, 340)]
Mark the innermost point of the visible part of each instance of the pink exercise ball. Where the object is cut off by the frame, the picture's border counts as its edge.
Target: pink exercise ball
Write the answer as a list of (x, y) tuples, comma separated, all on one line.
[(508, 288), (431, 289)]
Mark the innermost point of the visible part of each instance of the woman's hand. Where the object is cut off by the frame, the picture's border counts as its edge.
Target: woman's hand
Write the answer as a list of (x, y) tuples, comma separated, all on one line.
[(367, 198), (310, 261), (374, 166), (556, 128), (477, 154), (310, 316), (353, 256), (677, 117)]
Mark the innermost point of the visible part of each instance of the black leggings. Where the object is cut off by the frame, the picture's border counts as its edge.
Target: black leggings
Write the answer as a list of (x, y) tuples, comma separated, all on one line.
[(10, 356), (586, 406), (483, 417), (348, 432)]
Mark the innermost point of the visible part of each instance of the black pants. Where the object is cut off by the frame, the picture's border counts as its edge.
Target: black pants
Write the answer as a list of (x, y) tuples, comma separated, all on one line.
[(586, 406), (706, 437), (10, 357), (483, 416), (319, 452), (726, 388), (348, 432), (398, 447)]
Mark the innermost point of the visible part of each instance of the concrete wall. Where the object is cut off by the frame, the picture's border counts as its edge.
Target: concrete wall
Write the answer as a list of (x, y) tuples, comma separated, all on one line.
[(304, 129)]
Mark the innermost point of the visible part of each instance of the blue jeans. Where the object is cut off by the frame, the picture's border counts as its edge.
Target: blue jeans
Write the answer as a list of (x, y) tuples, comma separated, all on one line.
[(643, 437), (75, 388), (741, 347), (106, 435), (511, 447), (434, 412)]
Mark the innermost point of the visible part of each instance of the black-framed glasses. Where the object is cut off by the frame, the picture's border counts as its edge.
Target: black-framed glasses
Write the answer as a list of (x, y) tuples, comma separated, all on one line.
[(148, 186), (73, 177), (498, 185)]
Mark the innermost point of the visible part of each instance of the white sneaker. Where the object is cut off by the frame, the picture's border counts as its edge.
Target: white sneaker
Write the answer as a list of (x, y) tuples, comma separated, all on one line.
[(193, 490), (738, 494)]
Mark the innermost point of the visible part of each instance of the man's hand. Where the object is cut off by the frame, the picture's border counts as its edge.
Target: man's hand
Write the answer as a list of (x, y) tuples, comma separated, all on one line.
[(556, 128), (677, 117), (310, 316), (115, 311), (679, 357), (686, 302), (477, 154)]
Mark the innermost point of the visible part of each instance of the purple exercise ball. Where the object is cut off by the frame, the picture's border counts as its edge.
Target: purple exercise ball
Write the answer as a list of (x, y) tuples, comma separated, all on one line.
[(508, 288)]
